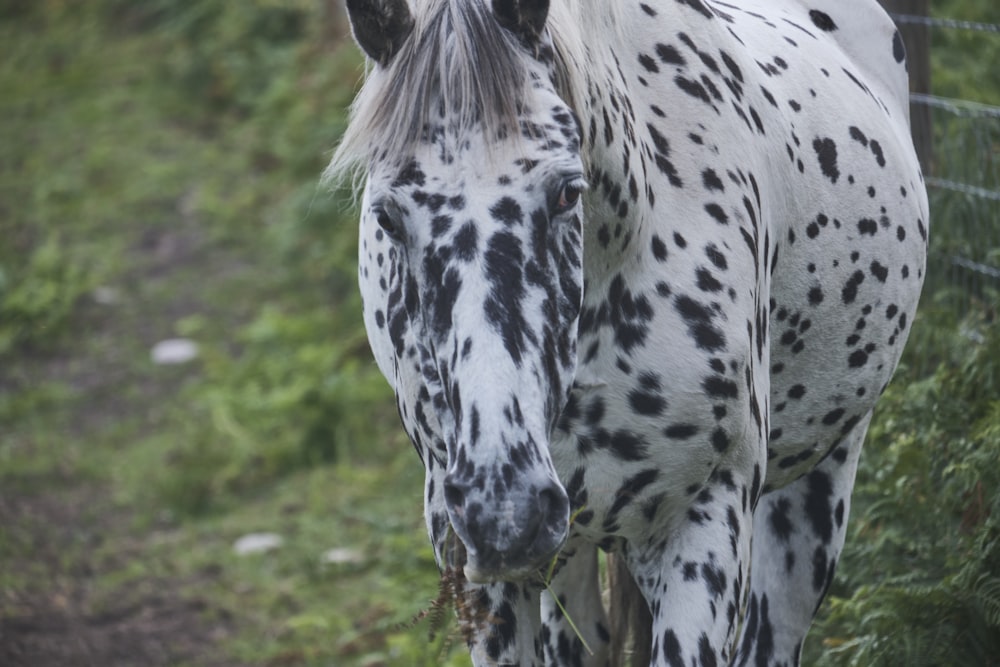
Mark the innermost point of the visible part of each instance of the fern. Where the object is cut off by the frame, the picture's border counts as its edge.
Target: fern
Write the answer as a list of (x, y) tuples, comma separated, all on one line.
[(918, 582)]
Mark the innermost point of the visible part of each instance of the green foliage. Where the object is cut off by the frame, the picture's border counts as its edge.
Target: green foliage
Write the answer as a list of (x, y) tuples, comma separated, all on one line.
[(226, 52), (46, 263), (923, 551), (298, 395), (40, 292), (963, 61)]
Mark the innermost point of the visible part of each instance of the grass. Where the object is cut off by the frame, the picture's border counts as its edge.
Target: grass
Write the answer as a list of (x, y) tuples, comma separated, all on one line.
[(200, 217)]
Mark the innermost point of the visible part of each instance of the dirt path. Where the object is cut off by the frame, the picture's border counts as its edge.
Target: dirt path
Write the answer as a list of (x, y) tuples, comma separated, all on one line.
[(74, 620), (68, 551)]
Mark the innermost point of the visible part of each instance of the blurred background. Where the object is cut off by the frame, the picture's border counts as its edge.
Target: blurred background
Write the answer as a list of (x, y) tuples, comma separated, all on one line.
[(200, 463)]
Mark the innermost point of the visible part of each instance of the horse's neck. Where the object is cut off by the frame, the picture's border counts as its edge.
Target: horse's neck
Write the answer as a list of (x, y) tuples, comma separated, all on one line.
[(616, 169)]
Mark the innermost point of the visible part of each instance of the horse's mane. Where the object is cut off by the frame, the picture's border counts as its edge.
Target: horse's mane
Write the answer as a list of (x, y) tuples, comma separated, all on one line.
[(459, 57)]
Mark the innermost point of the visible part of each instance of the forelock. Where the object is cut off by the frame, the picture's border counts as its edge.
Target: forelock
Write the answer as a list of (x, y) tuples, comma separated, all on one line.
[(457, 59)]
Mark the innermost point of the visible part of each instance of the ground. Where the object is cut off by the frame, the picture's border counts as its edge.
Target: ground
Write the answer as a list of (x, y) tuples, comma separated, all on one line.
[(145, 195), (88, 582), (67, 621)]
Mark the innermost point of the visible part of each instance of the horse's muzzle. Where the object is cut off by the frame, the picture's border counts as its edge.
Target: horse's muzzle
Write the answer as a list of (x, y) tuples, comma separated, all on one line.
[(507, 538)]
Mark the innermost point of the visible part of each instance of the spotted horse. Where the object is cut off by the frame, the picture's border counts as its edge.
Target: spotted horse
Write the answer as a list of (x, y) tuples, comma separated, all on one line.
[(637, 272)]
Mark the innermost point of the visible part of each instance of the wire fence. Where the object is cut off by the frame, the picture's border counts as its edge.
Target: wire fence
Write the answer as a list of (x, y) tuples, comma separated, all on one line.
[(963, 182), (911, 19)]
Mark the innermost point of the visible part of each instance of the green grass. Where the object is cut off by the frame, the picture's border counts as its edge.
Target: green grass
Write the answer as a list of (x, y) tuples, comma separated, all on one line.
[(181, 174)]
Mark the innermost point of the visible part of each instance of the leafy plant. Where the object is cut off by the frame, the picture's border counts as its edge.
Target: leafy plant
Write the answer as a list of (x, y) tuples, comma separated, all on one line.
[(923, 551)]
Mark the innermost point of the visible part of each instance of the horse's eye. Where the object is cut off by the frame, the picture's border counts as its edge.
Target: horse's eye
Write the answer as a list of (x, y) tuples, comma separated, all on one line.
[(389, 224), (569, 195)]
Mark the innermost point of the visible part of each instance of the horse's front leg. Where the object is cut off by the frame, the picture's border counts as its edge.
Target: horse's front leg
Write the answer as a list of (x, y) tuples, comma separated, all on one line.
[(501, 624), (695, 578), (575, 626)]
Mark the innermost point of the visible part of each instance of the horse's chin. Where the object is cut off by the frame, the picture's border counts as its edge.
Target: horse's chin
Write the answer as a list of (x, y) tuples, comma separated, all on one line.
[(478, 573)]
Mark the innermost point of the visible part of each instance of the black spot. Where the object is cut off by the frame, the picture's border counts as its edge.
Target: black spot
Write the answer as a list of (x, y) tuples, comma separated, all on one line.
[(711, 180), (815, 296), (857, 359), (819, 564), (833, 416), (781, 525), (648, 63), (818, 506), (645, 403), (898, 48), (440, 225), (670, 55), (706, 654), (699, 7), (822, 20), (680, 431), (716, 257), (858, 135), (662, 156), (826, 152), (507, 211), (717, 386), (715, 579), (693, 88), (672, 649), (877, 152), (699, 320), (867, 227), (720, 441), (410, 175), (659, 248), (627, 446), (850, 291), (604, 236), (503, 306), (717, 213), (880, 272), (707, 282)]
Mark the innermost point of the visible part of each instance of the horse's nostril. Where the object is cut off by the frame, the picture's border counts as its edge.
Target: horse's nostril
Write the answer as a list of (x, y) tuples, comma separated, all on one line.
[(551, 501), (553, 506)]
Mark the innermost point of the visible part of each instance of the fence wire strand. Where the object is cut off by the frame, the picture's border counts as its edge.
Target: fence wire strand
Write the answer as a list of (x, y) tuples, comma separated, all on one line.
[(914, 19), (964, 188), (962, 108), (981, 268)]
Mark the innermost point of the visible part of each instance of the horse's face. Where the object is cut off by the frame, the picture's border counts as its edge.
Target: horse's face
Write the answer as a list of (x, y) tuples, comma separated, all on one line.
[(471, 272)]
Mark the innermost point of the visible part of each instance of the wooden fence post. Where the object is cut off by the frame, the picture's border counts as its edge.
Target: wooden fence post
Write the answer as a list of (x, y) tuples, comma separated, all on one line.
[(917, 39)]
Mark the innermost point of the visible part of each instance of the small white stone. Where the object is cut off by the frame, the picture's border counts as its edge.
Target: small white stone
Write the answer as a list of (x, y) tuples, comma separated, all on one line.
[(106, 296), (174, 351), (255, 543), (343, 556)]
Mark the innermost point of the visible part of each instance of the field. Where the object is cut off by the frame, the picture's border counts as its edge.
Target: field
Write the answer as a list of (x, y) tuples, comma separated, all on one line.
[(159, 180)]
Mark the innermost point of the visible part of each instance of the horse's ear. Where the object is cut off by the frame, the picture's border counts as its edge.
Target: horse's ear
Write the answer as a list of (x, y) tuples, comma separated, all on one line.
[(524, 18), (380, 27)]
